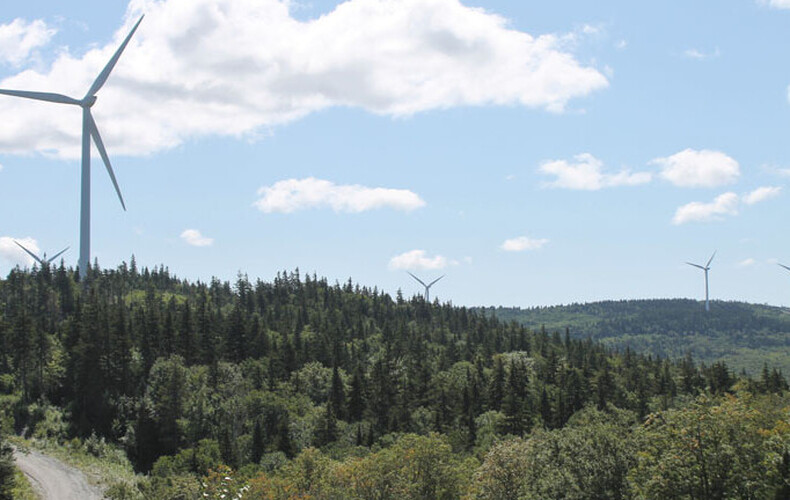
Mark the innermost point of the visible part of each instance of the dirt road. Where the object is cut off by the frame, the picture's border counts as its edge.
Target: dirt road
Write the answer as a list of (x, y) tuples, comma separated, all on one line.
[(54, 480)]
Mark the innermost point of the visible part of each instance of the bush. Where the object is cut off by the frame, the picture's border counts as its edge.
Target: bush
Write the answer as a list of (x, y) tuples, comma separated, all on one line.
[(6, 470)]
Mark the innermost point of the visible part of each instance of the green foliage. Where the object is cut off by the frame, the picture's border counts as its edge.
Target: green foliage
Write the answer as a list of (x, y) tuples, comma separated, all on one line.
[(7, 470), (48, 421), (198, 460), (23, 490), (412, 468), (743, 335), (724, 448), (589, 458), (341, 391)]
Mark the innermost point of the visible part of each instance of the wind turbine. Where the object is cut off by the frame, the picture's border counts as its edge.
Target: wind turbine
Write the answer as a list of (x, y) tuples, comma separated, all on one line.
[(788, 268), (43, 260), (89, 130), (705, 268), (428, 286)]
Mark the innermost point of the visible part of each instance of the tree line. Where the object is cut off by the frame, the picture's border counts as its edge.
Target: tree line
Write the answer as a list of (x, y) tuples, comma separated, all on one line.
[(185, 377)]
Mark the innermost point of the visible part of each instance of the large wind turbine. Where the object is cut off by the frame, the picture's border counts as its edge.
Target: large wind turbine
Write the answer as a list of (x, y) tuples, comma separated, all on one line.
[(43, 260), (89, 130), (705, 268), (428, 286)]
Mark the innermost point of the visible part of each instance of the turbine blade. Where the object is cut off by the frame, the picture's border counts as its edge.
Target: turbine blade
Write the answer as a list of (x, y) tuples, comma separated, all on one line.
[(94, 131), (41, 96), (782, 265), (105, 73), (35, 257), (418, 279), (437, 279), (52, 259), (695, 265), (711, 258)]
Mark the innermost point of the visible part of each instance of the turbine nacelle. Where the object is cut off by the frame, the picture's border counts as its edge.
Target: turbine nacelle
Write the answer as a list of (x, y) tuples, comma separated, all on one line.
[(88, 101)]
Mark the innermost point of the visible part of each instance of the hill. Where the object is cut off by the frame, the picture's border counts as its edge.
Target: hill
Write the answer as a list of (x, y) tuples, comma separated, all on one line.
[(745, 336), (299, 388)]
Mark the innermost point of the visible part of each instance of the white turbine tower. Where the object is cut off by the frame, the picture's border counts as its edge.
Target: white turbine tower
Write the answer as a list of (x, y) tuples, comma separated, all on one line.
[(428, 286), (43, 260), (89, 130), (705, 268)]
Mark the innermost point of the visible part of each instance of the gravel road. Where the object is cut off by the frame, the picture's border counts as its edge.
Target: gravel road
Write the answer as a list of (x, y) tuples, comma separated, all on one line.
[(54, 480)]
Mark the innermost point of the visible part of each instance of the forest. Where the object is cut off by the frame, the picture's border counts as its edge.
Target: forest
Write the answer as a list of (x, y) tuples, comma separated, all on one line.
[(745, 336), (298, 388)]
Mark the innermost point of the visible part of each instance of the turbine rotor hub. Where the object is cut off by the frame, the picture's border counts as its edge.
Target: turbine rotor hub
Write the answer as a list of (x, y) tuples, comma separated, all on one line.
[(89, 101)]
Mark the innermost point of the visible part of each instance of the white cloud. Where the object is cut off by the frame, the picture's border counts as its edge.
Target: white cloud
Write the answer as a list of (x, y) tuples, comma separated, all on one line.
[(704, 168), (725, 204), (621, 44), (700, 55), (236, 67), (298, 194), (776, 4), (747, 262), (761, 194), (586, 173), (523, 243), (194, 238), (589, 29), (418, 260), (19, 39), (12, 255)]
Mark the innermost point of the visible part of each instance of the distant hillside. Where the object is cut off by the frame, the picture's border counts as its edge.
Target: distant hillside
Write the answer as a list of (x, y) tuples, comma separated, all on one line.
[(743, 335)]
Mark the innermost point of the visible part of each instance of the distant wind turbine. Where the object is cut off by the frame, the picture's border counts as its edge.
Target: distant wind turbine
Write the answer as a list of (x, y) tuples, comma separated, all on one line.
[(782, 265), (428, 286), (43, 260), (705, 268), (89, 130)]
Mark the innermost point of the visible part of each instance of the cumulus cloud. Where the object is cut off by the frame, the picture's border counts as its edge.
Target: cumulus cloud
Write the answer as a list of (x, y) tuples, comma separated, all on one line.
[(236, 67), (761, 194), (586, 173), (747, 262), (725, 204), (196, 239), (523, 243), (12, 255), (298, 194), (418, 260), (704, 168), (19, 39)]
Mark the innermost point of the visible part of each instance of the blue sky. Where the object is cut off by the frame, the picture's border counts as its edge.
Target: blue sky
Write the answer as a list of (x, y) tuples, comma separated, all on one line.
[(535, 152)]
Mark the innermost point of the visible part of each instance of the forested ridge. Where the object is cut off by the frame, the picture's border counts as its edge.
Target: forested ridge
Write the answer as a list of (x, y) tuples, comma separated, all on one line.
[(745, 336), (298, 388)]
